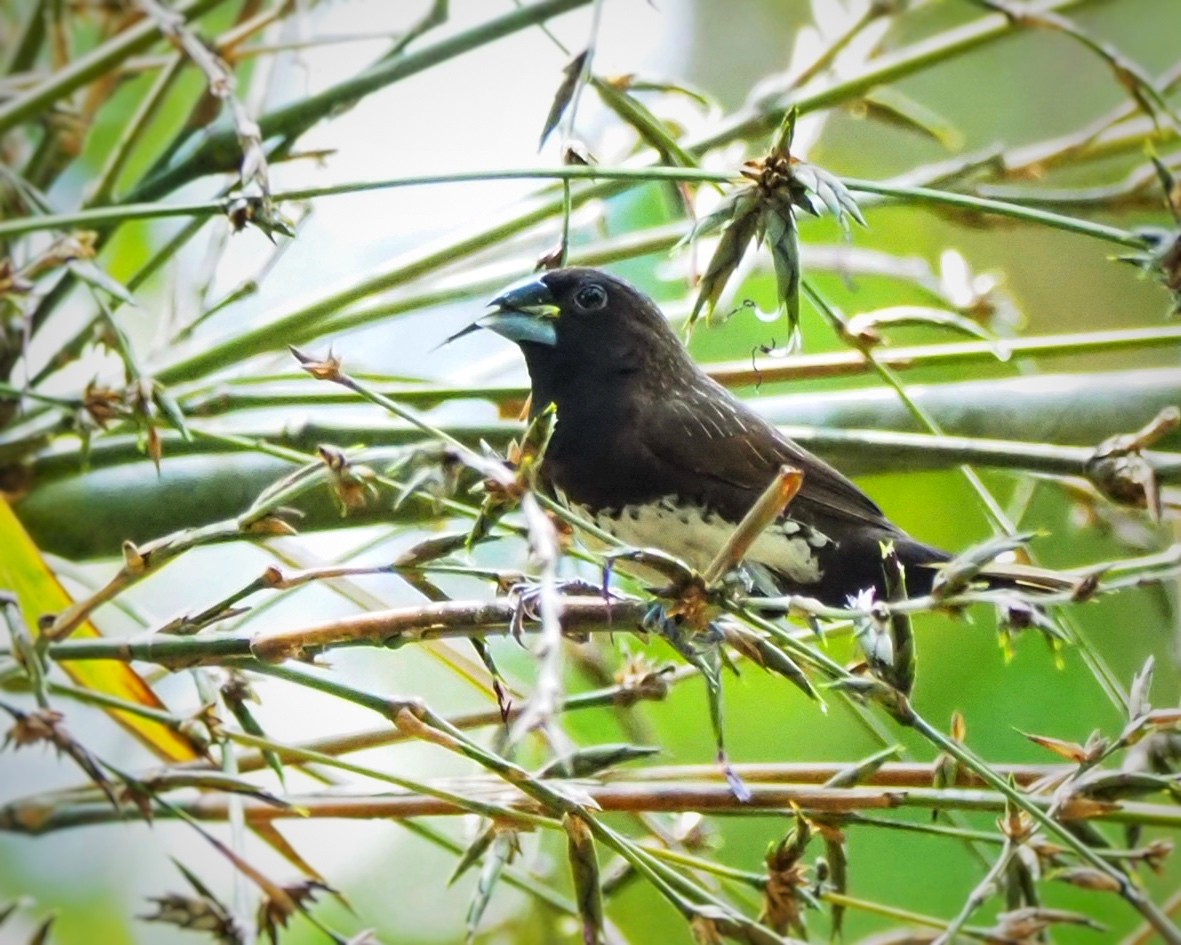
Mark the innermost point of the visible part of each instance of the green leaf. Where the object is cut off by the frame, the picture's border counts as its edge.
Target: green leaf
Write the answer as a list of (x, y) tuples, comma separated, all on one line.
[(736, 237), (783, 240), (94, 276), (500, 852), (585, 762), (651, 129), (171, 410)]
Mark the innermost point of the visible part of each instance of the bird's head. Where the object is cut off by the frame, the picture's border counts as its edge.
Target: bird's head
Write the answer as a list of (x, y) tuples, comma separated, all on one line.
[(582, 328)]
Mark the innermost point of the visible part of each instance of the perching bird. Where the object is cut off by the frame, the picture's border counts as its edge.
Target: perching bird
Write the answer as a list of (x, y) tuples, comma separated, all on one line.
[(657, 453)]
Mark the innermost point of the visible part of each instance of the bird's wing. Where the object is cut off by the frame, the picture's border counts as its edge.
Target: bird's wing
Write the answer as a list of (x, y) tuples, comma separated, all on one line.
[(713, 439)]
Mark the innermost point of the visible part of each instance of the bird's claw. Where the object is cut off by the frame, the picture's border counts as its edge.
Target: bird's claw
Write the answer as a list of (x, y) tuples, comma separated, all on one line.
[(526, 598), (681, 634)]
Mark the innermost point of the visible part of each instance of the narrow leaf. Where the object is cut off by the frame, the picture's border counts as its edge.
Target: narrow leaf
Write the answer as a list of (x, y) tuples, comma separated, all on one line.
[(564, 94), (736, 237), (782, 238), (958, 574), (651, 129), (24, 572), (93, 275), (594, 759), (584, 869), (498, 856)]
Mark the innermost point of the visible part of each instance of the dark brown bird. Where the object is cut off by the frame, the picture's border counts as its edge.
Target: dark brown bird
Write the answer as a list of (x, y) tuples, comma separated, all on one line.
[(658, 454)]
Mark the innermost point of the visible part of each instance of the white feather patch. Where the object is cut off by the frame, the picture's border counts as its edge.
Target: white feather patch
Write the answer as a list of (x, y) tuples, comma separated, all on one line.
[(695, 536)]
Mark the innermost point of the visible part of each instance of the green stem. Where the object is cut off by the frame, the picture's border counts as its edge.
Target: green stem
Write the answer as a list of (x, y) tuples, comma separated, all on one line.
[(133, 132), (847, 363), (99, 217), (1132, 893), (419, 787), (220, 151), (767, 113), (22, 50), (1001, 208), (244, 393)]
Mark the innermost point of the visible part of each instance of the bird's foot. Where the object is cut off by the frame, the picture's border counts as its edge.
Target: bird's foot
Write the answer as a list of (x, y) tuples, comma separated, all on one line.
[(528, 597), (682, 634)]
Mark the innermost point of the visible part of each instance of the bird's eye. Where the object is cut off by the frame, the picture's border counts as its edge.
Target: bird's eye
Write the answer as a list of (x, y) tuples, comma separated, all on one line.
[(591, 297)]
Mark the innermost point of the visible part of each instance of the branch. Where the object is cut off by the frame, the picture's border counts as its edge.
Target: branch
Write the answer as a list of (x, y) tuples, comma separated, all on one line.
[(121, 497), (36, 816)]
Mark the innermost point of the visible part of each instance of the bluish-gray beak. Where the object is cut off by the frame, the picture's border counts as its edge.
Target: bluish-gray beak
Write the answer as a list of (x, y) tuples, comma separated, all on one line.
[(525, 313)]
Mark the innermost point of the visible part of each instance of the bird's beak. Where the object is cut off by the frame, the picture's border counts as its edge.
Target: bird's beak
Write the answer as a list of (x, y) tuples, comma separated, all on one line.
[(525, 313)]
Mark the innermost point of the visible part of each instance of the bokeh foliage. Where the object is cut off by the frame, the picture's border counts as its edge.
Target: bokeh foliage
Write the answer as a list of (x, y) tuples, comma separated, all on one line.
[(175, 212)]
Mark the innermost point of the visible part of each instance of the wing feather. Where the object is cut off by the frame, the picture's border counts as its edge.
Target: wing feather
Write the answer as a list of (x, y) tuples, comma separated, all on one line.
[(717, 445)]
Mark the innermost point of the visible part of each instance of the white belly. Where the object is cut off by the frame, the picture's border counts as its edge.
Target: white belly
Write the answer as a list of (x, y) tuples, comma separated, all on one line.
[(695, 537)]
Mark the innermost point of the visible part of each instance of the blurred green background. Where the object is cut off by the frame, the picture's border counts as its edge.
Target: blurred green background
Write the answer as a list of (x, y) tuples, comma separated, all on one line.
[(484, 110)]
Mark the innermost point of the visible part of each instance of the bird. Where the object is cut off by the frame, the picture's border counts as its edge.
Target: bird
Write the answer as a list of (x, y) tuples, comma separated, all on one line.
[(650, 449)]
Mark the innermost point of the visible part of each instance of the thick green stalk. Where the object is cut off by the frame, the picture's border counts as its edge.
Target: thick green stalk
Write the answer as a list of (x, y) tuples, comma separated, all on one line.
[(222, 152), (1014, 211), (122, 497), (86, 69), (121, 213), (105, 216)]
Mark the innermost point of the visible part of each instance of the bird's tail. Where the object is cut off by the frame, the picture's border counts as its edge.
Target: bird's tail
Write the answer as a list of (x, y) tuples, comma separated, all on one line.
[(1028, 577)]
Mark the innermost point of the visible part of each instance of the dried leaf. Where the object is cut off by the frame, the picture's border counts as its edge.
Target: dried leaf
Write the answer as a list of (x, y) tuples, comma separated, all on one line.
[(202, 913), (787, 875), (46, 725), (1078, 807), (322, 369), (638, 679), (1120, 471), (1026, 925), (1087, 878), (1071, 751), (571, 73), (584, 869), (274, 911), (353, 485)]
